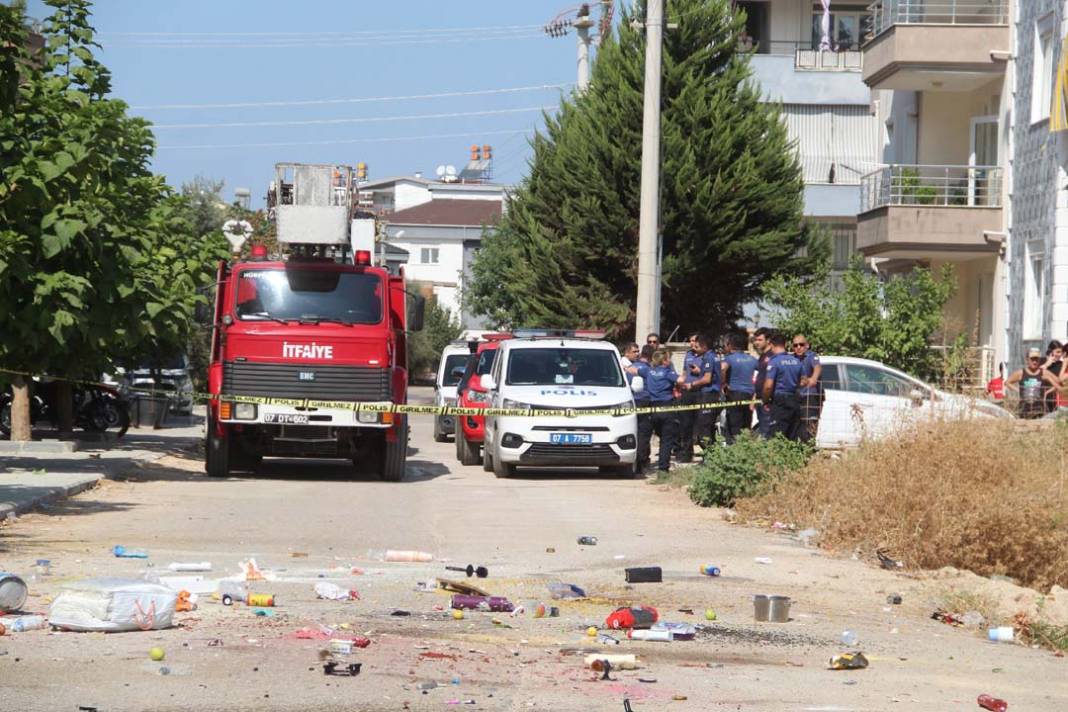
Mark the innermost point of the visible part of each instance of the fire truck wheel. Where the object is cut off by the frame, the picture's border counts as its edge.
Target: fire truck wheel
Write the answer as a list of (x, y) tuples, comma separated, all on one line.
[(466, 452), (395, 456), (217, 455)]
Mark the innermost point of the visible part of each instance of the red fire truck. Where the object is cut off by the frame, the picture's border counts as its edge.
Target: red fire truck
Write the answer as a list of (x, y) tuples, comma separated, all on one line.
[(319, 323)]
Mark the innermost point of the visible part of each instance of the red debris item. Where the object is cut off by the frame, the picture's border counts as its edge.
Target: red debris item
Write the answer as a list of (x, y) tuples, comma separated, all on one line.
[(183, 604), (360, 642), (988, 702), (432, 655), (947, 617), (634, 617), (309, 634)]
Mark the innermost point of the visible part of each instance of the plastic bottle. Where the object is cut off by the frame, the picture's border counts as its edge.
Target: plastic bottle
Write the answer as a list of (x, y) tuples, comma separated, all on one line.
[(565, 590), (407, 556), (849, 638), (191, 566), (1003, 634), (587, 541), (122, 552), (763, 560), (24, 623), (43, 567), (663, 636), (989, 702), (710, 570)]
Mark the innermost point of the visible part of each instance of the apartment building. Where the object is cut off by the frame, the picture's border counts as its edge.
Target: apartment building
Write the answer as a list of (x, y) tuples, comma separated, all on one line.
[(940, 72), (826, 105), (1037, 250)]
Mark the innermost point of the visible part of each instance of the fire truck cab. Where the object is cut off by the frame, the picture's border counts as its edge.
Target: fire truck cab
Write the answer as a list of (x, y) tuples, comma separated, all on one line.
[(318, 323)]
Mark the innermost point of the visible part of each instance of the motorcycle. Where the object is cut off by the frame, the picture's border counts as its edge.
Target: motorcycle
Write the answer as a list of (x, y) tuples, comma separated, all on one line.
[(97, 408)]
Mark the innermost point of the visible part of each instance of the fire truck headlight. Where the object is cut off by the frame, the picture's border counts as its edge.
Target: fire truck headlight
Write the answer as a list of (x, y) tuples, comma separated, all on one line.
[(245, 411), (365, 417)]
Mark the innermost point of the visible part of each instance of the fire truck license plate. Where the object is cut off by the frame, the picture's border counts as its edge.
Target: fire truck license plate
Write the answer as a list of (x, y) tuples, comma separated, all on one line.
[(285, 418)]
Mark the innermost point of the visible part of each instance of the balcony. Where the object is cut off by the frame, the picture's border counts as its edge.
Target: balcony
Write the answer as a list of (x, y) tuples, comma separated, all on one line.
[(924, 212), (794, 73), (950, 45)]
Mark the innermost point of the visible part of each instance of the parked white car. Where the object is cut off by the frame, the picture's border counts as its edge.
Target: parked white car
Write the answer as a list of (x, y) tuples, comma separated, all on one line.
[(450, 369), (868, 399), (559, 373)]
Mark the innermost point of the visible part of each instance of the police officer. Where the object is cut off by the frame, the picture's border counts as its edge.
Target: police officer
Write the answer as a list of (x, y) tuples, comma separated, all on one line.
[(811, 392), (738, 370), (762, 344), (660, 387), (780, 390), (693, 369), (641, 400), (710, 387)]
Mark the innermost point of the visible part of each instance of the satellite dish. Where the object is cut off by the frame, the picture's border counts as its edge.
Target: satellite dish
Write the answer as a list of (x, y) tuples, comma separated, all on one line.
[(450, 170), (440, 171)]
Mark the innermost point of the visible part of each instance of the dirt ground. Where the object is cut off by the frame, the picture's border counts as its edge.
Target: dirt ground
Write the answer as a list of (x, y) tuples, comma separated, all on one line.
[(524, 530)]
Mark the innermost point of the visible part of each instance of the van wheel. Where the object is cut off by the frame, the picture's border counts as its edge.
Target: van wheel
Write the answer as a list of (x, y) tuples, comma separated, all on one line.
[(217, 454), (487, 463), (439, 435), (395, 456), (467, 453), (503, 470)]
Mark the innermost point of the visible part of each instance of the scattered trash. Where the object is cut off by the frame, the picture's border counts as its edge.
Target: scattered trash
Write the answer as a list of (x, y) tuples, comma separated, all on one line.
[(215, 643), (605, 639), (774, 609), (298, 554), (427, 686), (655, 635), (946, 617), (123, 553), (21, 624), (805, 536), (561, 591), (341, 647), (679, 698), (989, 702), (848, 638), (261, 600), (763, 559), (164, 670), (399, 613), (333, 592), (230, 591), (710, 614), (886, 562), (458, 615), (678, 631), (407, 556), (348, 669), (111, 604), (497, 604), (251, 571), (194, 584), (461, 587), (43, 567), (186, 602), (598, 661), (644, 574), (550, 550), (633, 617), (13, 591), (849, 661), (647, 680), (709, 570), (894, 599), (1001, 634), (587, 541), (156, 654), (263, 612), (470, 570), (973, 619), (191, 566)]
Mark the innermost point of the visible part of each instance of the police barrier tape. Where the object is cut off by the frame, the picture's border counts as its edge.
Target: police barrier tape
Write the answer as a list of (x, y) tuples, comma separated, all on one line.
[(389, 407)]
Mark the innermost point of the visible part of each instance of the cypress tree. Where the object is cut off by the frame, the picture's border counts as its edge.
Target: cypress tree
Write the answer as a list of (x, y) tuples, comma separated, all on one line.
[(565, 252)]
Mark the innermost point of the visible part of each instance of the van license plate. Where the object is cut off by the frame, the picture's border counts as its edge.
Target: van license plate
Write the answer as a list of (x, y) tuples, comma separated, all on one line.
[(285, 418), (571, 438)]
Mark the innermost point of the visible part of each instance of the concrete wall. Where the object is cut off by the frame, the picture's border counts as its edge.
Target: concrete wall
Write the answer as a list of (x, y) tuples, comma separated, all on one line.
[(408, 195), (782, 82), (447, 275), (971, 309)]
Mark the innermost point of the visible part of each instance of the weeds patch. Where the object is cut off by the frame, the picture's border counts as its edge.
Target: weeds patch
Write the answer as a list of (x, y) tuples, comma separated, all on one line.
[(976, 495)]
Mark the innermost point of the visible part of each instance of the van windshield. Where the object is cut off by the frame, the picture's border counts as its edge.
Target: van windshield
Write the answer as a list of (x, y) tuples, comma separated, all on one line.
[(453, 362), (564, 367), (295, 294)]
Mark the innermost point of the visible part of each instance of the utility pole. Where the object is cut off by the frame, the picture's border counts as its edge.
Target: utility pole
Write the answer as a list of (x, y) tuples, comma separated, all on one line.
[(582, 25), (647, 319)]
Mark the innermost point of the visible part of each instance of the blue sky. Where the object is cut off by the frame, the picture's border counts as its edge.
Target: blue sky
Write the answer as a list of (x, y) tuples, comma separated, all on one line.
[(204, 52)]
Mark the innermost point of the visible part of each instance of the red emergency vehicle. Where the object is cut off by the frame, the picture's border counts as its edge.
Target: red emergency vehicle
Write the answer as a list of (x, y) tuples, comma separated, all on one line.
[(470, 430), (322, 323)]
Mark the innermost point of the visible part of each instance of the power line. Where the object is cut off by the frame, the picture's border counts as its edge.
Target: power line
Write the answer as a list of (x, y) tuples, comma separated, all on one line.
[(362, 120), (319, 40), (358, 100), (491, 28), (343, 141), (319, 45)]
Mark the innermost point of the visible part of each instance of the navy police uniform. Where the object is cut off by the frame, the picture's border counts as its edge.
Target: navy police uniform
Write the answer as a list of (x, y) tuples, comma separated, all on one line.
[(660, 388), (741, 368), (811, 398), (641, 400), (784, 371)]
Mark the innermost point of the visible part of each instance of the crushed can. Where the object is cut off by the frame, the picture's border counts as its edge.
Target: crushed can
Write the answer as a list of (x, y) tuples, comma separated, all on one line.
[(261, 600), (849, 661)]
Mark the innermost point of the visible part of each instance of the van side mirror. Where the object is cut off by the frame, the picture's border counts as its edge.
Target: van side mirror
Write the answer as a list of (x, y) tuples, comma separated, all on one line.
[(487, 382), (416, 312)]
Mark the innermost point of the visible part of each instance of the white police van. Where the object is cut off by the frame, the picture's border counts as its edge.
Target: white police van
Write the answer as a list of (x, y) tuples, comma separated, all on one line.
[(450, 369), (559, 371)]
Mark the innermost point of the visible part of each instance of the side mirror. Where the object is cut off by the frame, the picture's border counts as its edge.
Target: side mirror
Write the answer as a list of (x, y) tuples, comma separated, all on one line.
[(416, 311), (487, 382)]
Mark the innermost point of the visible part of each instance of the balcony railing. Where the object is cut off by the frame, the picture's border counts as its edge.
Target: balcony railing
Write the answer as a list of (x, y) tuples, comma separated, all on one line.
[(887, 13), (936, 186), (809, 57)]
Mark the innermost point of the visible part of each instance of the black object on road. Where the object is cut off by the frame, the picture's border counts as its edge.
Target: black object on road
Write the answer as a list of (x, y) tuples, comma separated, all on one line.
[(479, 571), (350, 669), (644, 574)]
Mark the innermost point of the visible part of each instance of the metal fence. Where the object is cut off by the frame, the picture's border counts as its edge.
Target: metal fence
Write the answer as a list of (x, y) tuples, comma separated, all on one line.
[(939, 186), (887, 13), (808, 56)]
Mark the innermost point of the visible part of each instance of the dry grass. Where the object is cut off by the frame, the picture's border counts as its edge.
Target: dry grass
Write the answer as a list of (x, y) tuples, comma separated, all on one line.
[(978, 495)]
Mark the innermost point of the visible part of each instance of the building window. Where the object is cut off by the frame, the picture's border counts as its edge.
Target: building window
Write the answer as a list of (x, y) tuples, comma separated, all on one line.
[(1042, 74), (428, 256), (848, 27), (1034, 283)]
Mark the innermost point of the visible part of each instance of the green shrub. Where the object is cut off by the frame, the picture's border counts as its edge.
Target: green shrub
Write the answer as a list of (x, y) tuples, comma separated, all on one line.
[(744, 468)]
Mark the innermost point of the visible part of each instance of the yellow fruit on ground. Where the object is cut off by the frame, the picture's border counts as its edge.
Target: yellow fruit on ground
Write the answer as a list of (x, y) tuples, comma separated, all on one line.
[(156, 654)]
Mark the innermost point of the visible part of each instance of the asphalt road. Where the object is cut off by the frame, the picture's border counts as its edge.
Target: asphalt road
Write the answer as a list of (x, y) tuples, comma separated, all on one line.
[(306, 521)]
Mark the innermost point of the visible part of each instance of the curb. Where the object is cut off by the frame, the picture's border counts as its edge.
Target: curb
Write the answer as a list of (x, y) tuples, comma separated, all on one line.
[(48, 495), (38, 447)]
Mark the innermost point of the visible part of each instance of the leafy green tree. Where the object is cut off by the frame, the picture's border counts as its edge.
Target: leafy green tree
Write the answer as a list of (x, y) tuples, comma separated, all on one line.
[(96, 263), (564, 254), (425, 347), (892, 321)]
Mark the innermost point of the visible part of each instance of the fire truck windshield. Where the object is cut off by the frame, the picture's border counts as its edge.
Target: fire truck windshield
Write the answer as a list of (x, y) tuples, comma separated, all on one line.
[(309, 295)]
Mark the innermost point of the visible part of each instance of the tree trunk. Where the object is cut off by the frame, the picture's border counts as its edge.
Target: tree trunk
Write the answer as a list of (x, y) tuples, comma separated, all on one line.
[(64, 408), (21, 426)]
